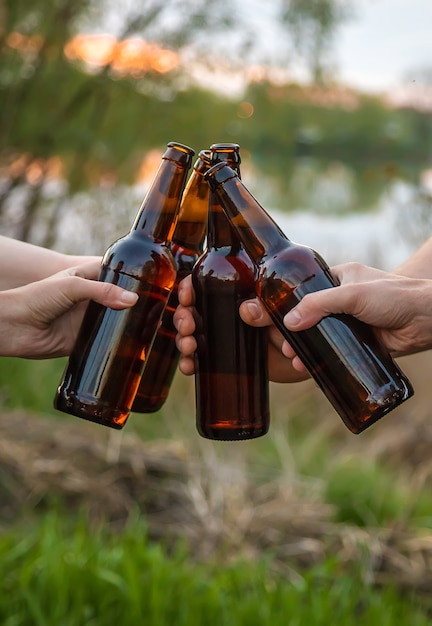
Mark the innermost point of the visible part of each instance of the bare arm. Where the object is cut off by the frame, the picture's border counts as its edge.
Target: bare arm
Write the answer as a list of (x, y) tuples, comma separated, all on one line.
[(419, 264), (22, 263)]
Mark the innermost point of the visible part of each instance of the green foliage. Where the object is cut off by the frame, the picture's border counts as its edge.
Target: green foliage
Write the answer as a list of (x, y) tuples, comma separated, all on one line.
[(99, 125), (54, 573), (359, 130), (94, 121), (30, 385), (364, 494), (100, 122)]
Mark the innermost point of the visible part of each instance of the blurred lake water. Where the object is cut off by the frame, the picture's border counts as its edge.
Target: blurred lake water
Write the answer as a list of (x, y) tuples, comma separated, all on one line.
[(376, 214)]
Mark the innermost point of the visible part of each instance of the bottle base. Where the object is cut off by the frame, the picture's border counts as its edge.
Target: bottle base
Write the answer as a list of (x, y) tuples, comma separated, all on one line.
[(105, 416), (360, 424), (147, 407), (232, 434)]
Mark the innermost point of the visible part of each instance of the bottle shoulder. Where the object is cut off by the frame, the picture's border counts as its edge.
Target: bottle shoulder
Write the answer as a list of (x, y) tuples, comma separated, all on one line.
[(293, 257), (132, 254), (228, 255), (138, 246), (296, 265), (224, 263)]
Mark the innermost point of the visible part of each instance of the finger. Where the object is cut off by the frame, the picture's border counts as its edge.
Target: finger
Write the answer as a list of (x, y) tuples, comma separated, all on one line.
[(253, 313), (186, 345), (184, 320), (296, 363), (354, 272), (275, 338), (186, 294), (90, 270), (76, 289), (186, 365), (289, 363), (314, 306), (287, 350), (298, 366), (107, 294)]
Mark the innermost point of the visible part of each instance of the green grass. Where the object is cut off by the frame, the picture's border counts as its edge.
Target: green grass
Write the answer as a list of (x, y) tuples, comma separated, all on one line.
[(55, 574), (31, 385), (55, 571)]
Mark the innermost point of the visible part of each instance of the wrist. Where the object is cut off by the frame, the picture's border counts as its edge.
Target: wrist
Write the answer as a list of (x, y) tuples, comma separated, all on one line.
[(9, 333)]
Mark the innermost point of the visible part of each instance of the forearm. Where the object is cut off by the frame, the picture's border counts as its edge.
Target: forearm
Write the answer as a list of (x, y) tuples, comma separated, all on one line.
[(419, 265), (22, 263)]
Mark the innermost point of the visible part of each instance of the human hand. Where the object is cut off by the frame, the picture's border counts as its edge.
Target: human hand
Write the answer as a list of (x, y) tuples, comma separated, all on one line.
[(397, 307), (41, 320), (252, 312)]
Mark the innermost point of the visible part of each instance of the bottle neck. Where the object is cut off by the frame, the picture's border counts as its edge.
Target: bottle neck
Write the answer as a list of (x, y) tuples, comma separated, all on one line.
[(158, 213), (258, 232), (190, 230), (219, 231)]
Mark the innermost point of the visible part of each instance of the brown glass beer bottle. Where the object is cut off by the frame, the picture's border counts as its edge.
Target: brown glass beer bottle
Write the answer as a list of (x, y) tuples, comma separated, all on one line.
[(107, 361), (186, 246), (231, 380), (342, 354)]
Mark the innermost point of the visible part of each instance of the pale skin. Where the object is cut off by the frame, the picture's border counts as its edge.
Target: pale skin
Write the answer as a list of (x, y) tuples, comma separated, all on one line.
[(22, 263), (43, 296), (396, 304)]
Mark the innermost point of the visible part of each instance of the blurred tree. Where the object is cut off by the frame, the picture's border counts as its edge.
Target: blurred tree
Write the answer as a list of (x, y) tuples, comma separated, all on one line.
[(311, 26), (62, 116), (52, 111)]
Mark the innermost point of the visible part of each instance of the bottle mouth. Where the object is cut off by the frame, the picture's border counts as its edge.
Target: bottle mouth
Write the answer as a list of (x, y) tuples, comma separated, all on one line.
[(205, 156), (219, 173), (178, 152), (226, 147), (225, 152)]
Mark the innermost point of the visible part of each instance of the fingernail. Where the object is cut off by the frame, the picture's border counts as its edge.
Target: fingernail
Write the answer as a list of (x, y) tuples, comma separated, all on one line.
[(253, 310), (292, 318), (129, 297)]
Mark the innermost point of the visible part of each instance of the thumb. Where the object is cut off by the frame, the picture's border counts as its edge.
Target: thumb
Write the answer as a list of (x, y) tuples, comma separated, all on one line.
[(75, 289), (51, 297), (253, 313), (312, 308), (79, 283)]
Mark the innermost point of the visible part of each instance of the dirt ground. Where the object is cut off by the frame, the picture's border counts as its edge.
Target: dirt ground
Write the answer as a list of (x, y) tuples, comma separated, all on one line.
[(113, 475)]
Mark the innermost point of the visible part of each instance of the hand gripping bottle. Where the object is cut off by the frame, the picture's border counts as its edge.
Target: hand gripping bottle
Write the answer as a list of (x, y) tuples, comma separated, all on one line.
[(342, 354), (186, 245), (231, 380), (104, 369)]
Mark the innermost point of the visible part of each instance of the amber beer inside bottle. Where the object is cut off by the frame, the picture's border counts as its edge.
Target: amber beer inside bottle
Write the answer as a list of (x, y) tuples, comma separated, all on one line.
[(105, 367), (186, 245), (342, 354), (231, 380), (110, 351)]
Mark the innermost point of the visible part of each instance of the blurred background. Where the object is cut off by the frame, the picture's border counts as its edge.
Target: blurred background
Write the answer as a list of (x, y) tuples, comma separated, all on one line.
[(330, 101)]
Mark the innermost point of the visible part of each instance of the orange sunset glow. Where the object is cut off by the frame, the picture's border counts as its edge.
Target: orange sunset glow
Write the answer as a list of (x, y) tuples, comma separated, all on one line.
[(130, 56)]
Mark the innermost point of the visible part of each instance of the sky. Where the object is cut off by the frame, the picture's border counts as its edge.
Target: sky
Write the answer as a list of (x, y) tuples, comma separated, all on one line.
[(380, 45), (376, 50), (380, 49), (384, 42)]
